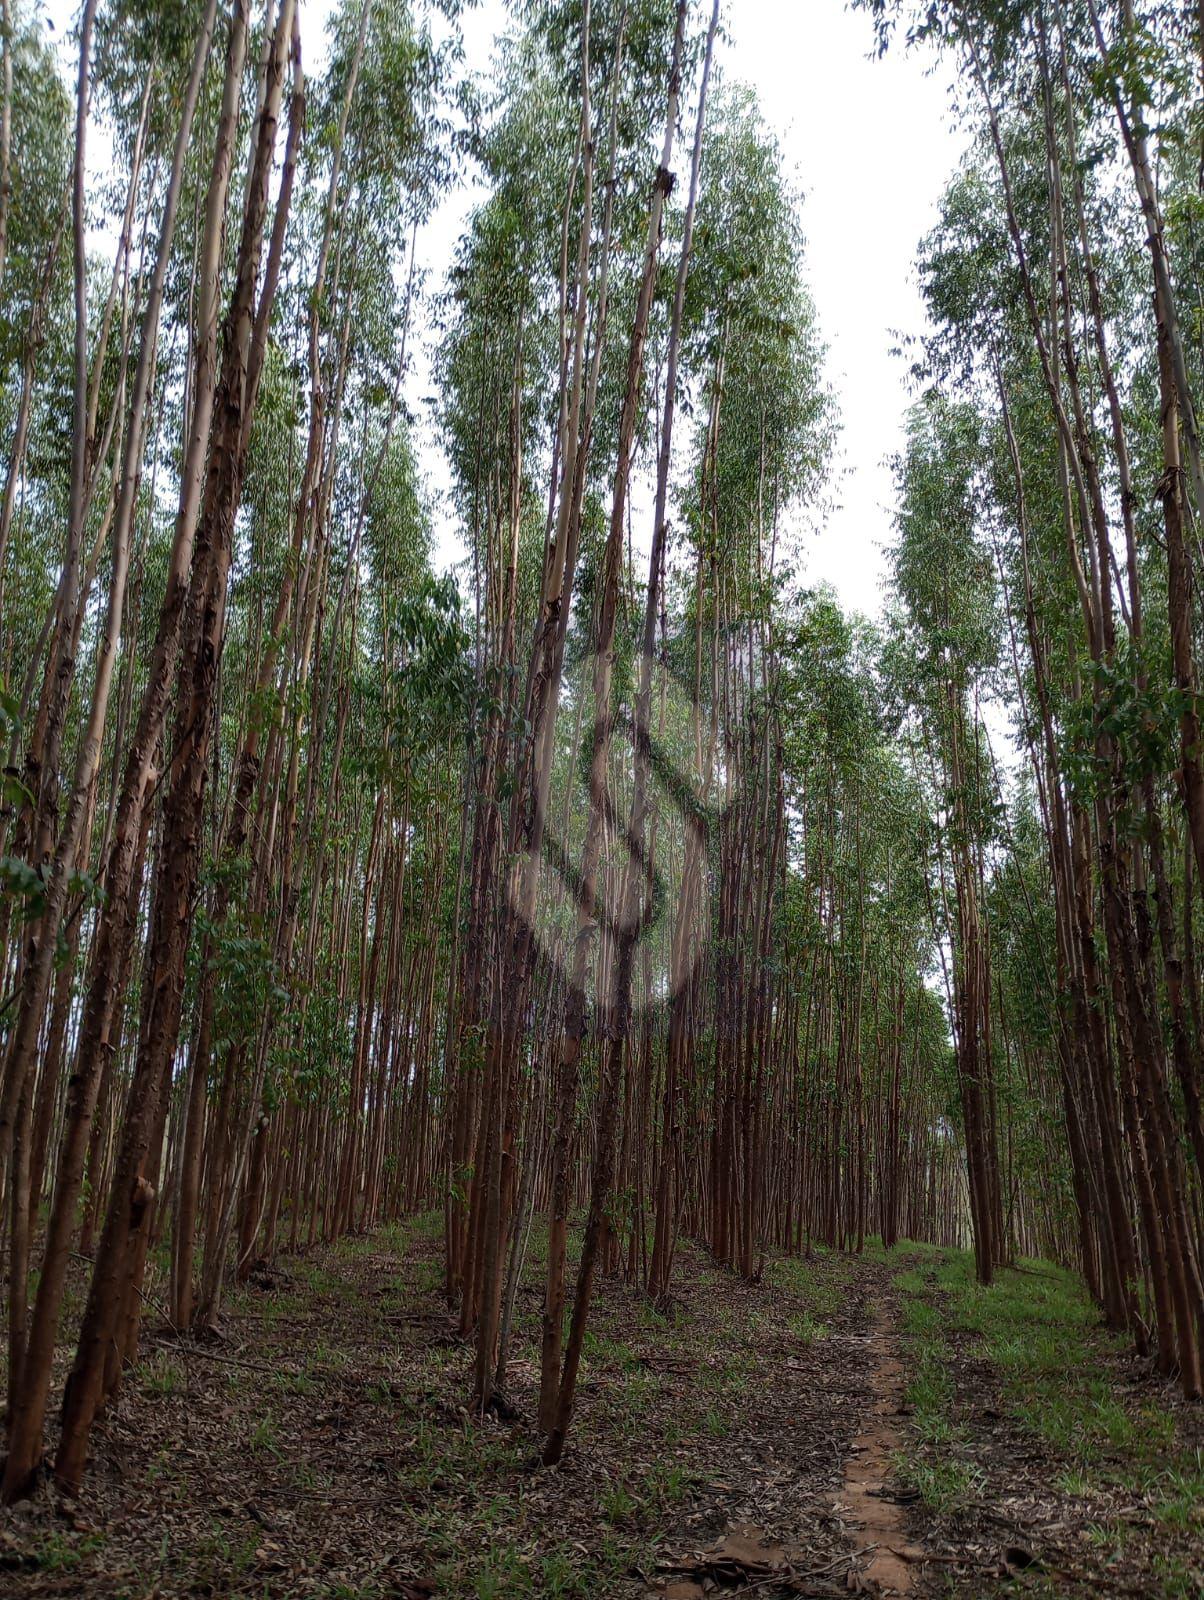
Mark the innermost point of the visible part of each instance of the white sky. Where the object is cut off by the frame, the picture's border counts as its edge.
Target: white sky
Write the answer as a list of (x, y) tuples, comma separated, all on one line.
[(869, 141), (871, 144)]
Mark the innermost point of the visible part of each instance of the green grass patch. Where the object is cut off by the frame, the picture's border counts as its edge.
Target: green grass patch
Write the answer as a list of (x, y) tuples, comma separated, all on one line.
[(1039, 1331)]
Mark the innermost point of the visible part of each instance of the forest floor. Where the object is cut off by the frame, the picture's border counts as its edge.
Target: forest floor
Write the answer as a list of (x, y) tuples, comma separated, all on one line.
[(871, 1425)]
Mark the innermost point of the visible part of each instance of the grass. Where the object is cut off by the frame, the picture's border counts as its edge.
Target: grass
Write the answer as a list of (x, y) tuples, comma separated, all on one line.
[(163, 1375), (716, 1424), (820, 1293), (808, 1330), (933, 1464), (1055, 1366), (57, 1554), (294, 1383), (942, 1482), (265, 1438), (1039, 1331), (364, 1399)]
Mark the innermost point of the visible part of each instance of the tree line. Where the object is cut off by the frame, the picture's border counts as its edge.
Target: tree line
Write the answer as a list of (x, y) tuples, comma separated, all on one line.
[(616, 878)]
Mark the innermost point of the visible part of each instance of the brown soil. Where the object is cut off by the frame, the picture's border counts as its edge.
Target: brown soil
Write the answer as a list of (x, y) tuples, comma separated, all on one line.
[(886, 1558)]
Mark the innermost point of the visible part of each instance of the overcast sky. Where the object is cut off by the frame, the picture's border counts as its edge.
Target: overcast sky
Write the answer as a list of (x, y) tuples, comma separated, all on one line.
[(870, 144)]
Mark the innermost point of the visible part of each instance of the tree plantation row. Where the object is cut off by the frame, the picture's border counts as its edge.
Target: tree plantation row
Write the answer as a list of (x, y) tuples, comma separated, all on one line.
[(614, 877)]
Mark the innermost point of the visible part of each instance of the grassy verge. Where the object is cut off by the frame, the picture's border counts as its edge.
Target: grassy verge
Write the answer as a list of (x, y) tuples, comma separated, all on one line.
[(1117, 1451), (935, 1465)]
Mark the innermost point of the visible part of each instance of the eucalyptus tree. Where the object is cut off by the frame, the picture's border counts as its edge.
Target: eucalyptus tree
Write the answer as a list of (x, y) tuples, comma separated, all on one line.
[(26, 1419), (616, 872), (581, 278), (35, 186), (501, 356), (855, 924), (1064, 94), (111, 1311), (760, 451), (943, 577), (368, 191), (637, 873)]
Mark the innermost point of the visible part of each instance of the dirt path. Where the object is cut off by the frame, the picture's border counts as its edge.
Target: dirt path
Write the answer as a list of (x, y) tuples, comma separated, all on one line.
[(849, 1531), (886, 1560)]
